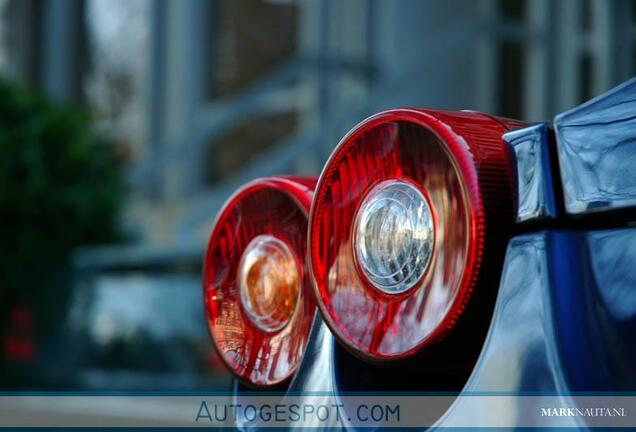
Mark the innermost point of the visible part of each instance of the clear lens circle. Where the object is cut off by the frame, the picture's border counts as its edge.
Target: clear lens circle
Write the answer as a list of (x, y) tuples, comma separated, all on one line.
[(394, 236), (269, 282)]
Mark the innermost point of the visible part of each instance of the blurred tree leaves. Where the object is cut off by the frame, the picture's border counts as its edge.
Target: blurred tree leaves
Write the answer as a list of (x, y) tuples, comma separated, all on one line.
[(60, 187)]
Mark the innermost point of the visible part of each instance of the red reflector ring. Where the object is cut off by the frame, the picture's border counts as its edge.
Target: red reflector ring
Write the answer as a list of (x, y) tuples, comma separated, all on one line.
[(257, 294), (455, 162)]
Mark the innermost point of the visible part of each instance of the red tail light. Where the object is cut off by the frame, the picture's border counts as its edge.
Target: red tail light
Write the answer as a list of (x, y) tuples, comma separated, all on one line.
[(256, 288), (404, 223)]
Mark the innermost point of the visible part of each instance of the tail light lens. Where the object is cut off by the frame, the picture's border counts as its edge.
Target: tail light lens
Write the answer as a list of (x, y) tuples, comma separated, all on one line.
[(256, 289), (408, 214)]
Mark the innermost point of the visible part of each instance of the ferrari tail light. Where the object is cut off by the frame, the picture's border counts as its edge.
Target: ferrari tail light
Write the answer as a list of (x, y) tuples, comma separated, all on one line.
[(408, 217), (256, 288)]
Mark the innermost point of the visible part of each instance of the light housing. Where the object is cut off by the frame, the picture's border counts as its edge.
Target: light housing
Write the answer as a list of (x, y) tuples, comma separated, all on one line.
[(258, 301), (430, 193)]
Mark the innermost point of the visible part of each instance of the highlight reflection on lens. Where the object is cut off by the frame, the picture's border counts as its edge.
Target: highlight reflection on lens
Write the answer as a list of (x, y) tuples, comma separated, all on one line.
[(394, 236), (269, 282)]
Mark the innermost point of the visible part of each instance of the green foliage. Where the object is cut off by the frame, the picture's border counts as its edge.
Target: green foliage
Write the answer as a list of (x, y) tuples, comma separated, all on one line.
[(60, 187)]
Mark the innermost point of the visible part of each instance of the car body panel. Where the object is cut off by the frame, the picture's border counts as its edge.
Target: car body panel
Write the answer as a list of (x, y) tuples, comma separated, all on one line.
[(597, 152)]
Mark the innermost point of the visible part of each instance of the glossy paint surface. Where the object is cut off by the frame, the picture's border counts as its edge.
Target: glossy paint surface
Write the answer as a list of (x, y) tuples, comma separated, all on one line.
[(459, 160), (534, 186), (274, 207), (594, 306), (518, 352), (555, 330), (565, 319), (597, 151)]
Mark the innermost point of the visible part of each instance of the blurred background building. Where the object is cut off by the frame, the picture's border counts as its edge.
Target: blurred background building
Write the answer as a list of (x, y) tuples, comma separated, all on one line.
[(202, 96)]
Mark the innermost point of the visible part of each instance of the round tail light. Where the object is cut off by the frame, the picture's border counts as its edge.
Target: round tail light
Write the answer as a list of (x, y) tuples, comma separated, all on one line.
[(256, 287), (409, 213)]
